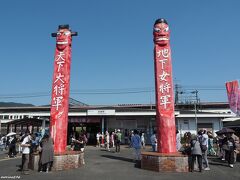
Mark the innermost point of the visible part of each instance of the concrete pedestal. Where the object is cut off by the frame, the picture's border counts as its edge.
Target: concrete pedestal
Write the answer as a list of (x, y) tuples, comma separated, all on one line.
[(162, 162), (68, 160)]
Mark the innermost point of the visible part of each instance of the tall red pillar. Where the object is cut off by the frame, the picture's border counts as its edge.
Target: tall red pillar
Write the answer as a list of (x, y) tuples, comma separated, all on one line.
[(60, 88), (165, 118)]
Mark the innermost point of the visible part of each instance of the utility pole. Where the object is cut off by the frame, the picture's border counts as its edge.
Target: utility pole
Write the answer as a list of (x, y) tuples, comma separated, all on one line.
[(176, 93), (195, 108)]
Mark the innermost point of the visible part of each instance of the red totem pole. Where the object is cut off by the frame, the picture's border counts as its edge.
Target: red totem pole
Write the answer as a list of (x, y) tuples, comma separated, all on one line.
[(60, 88), (165, 118)]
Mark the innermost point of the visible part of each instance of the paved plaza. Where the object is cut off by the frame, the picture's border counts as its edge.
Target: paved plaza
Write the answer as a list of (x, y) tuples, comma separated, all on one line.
[(104, 165)]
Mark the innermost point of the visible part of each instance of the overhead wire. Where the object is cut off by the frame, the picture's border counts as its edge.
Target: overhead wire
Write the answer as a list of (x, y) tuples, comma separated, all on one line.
[(108, 91)]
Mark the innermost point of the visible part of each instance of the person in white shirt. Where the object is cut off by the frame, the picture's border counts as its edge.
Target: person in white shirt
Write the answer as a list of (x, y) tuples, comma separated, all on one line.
[(143, 140), (178, 140), (203, 137), (112, 139), (26, 143), (98, 139), (2, 146)]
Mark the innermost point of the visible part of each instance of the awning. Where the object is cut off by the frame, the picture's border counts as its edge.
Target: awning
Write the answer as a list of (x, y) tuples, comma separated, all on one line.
[(231, 119), (28, 121)]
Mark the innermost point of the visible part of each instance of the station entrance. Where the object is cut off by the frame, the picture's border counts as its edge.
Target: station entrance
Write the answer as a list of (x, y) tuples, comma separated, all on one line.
[(89, 126)]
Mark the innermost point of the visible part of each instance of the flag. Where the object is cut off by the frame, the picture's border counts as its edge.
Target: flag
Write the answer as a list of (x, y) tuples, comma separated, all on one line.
[(233, 94)]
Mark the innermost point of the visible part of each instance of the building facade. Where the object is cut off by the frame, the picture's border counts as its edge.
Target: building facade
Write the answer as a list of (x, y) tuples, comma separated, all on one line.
[(94, 119)]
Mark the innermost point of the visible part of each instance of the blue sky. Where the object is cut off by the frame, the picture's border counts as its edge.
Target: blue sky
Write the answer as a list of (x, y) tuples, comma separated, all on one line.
[(112, 58)]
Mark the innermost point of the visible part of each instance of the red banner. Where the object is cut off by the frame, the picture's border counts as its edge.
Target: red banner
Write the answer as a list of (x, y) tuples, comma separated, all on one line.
[(166, 130), (60, 88), (233, 96), (238, 103)]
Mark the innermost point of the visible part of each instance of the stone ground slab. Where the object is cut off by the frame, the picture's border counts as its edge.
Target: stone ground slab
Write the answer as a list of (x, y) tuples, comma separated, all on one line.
[(104, 165)]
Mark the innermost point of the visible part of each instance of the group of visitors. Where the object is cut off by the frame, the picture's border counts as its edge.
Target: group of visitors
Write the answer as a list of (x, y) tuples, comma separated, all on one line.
[(115, 139), (228, 145), (199, 146), (28, 144), (130, 133), (78, 141), (109, 140), (37, 144), (196, 148), (10, 143)]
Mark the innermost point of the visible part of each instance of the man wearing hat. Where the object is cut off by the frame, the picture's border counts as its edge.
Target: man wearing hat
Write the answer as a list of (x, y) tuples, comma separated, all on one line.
[(118, 137)]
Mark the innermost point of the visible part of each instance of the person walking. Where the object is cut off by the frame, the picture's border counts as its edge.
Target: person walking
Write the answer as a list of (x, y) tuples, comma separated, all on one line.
[(211, 150), (107, 140), (154, 141), (220, 151), (143, 140), (237, 144), (196, 153), (118, 137), (98, 139), (178, 140), (112, 139), (2, 147), (203, 139), (47, 153), (26, 143), (229, 146), (12, 146), (130, 137), (136, 144)]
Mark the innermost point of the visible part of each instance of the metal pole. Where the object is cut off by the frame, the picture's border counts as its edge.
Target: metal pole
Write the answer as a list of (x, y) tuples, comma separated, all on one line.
[(196, 101), (196, 120), (102, 130)]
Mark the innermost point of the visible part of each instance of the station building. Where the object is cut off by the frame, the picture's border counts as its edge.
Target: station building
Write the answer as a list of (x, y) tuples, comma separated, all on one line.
[(126, 117)]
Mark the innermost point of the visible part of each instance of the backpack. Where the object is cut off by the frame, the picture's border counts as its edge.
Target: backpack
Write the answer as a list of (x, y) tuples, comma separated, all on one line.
[(203, 147)]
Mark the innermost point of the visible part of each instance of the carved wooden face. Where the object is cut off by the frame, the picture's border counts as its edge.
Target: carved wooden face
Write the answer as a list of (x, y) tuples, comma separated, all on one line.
[(161, 34), (63, 39)]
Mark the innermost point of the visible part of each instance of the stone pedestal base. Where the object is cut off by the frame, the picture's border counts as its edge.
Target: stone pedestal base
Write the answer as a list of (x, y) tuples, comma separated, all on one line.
[(162, 162), (69, 160)]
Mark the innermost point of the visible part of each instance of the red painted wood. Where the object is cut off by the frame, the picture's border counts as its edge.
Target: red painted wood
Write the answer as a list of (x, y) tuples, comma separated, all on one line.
[(165, 118), (60, 90)]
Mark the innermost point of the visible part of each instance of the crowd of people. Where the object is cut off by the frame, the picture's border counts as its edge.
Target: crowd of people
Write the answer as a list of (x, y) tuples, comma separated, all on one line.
[(134, 139), (196, 147), (199, 147), (116, 138), (109, 140), (38, 143), (10, 143), (26, 144)]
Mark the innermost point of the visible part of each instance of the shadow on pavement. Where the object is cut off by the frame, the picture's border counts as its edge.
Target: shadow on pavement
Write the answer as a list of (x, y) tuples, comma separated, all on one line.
[(118, 158), (217, 162), (137, 164)]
